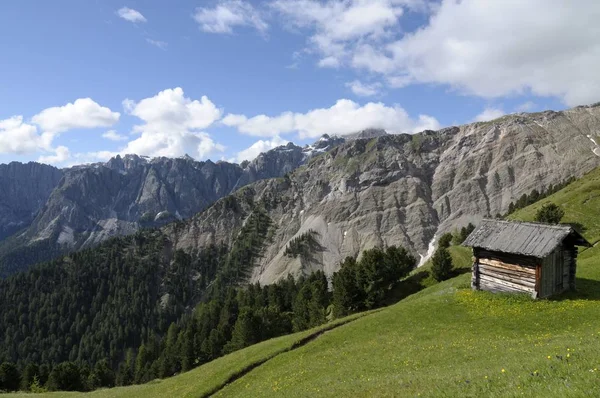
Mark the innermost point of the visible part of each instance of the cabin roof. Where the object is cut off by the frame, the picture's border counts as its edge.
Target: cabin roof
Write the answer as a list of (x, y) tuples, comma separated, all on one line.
[(524, 238)]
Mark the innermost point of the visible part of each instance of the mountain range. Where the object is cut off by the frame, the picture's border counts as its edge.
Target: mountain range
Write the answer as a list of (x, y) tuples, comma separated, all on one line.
[(339, 196)]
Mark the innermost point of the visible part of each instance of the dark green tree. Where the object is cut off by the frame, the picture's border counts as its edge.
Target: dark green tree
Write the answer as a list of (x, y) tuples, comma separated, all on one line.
[(142, 363), (348, 297), (101, 376), (65, 377), (549, 213), (10, 377), (445, 240), (245, 332), (125, 374), (29, 373), (399, 263), (441, 268)]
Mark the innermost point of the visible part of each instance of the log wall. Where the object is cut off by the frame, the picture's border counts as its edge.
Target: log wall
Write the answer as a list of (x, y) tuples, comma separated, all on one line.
[(500, 272)]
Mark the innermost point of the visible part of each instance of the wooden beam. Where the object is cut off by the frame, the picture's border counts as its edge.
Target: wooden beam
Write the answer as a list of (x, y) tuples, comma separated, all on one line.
[(530, 284), (500, 282), (513, 267), (507, 272)]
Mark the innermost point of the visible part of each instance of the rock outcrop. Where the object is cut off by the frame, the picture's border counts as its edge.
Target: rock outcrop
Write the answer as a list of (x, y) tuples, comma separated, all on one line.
[(25, 188)]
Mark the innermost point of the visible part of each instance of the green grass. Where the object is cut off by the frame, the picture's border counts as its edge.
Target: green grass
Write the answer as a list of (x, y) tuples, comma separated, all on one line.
[(448, 341), (443, 341), (581, 202)]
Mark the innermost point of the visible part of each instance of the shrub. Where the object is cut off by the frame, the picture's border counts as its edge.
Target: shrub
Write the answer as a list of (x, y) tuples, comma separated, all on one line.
[(445, 240), (549, 213), (442, 264)]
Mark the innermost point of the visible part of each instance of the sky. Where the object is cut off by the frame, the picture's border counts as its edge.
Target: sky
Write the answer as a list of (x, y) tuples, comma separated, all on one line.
[(82, 81)]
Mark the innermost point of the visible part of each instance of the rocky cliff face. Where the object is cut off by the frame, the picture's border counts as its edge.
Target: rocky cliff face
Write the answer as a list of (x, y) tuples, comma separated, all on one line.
[(94, 202), (402, 189), (24, 188), (351, 194)]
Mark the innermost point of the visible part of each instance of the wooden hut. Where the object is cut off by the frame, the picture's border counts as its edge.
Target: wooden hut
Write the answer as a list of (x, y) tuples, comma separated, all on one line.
[(524, 257)]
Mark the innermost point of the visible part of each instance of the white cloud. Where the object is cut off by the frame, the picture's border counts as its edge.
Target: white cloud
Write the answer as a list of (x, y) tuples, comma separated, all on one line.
[(345, 117), (18, 137), (83, 113), (363, 89), (61, 154), (172, 124), (229, 14), (158, 43), (552, 50), (131, 15), (114, 136), (489, 114), (259, 147), (338, 26)]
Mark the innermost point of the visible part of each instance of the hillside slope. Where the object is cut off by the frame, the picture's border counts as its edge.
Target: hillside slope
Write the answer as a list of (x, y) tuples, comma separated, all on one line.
[(444, 341)]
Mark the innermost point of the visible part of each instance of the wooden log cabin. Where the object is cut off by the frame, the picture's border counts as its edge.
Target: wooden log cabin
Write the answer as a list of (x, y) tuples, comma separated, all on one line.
[(523, 257)]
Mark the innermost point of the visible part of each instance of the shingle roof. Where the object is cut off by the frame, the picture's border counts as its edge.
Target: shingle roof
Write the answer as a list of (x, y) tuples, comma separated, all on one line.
[(525, 238)]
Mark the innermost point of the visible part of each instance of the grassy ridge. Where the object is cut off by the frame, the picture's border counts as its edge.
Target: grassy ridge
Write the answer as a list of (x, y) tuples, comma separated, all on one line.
[(581, 202)]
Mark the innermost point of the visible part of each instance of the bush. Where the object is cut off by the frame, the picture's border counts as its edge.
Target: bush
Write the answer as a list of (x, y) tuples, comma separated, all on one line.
[(446, 240), (550, 214), (442, 264)]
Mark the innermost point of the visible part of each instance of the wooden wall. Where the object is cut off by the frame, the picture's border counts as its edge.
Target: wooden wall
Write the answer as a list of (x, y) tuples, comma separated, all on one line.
[(501, 272), (558, 271)]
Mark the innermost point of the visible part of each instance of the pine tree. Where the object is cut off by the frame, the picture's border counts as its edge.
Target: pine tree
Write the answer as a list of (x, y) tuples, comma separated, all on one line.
[(29, 373), (9, 377), (347, 296), (445, 240), (441, 264), (65, 377), (245, 332), (141, 364), (101, 376)]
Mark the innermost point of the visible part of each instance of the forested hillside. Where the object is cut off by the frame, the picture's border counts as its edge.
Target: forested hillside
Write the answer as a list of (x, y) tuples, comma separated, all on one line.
[(135, 309)]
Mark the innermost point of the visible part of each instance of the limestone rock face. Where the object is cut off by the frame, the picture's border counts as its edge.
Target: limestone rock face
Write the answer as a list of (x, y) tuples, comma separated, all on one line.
[(403, 189), (24, 188)]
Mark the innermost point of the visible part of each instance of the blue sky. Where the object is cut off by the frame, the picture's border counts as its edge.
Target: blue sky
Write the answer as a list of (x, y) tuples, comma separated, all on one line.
[(81, 81)]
